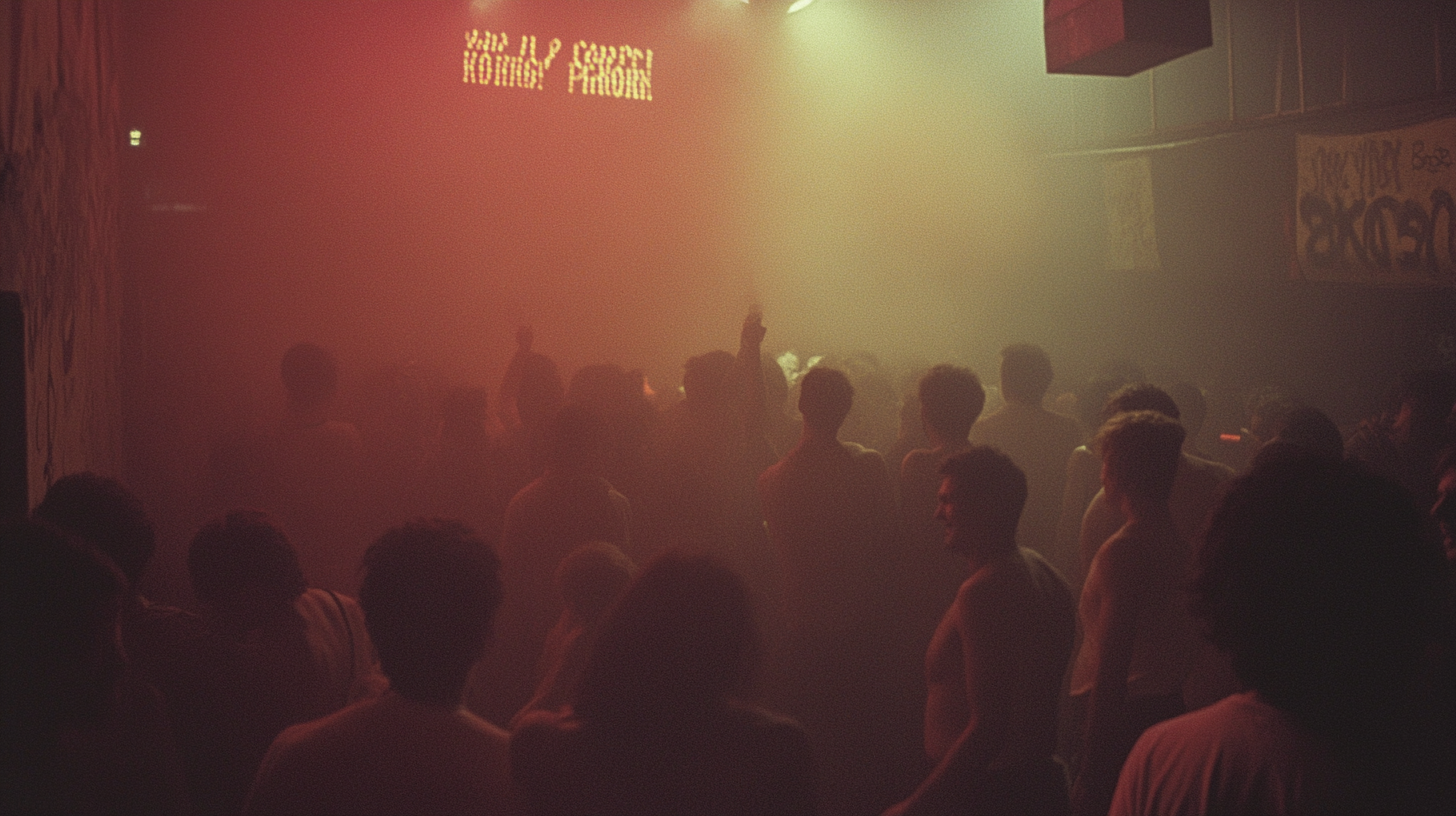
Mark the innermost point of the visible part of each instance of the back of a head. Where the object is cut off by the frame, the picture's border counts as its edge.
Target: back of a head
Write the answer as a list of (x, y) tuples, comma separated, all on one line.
[(1310, 429), (431, 590), (1140, 397), (1192, 405), (1317, 578), (994, 483), (1140, 452), (1026, 373), (106, 515), (591, 577), (575, 438), (58, 605), (310, 375), (951, 399), (680, 640), (825, 398), (244, 568), (708, 378)]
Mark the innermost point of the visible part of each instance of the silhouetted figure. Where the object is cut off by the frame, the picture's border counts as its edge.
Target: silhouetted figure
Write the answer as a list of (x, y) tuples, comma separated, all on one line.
[(1317, 578), (995, 665), (161, 641), (1084, 465), (708, 456), (1192, 412), (430, 593), (1139, 641), (1306, 432), (1402, 445), (831, 518), (1037, 440), (285, 654), (629, 420), (568, 506), (464, 478), (314, 475), (80, 733), (1195, 487), (531, 393), (951, 399), (588, 581), (654, 728)]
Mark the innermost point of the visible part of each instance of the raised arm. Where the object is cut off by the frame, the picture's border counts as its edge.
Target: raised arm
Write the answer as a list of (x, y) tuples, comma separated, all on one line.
[(755, 414)]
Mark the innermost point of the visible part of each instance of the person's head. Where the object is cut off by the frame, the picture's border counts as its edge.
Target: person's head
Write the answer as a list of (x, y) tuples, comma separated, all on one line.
[(431, 590), (103, 513), (1140, 453), (709, 380), (982, 493), (1268, 411), (59, 603), (575, 438), (825, 397), (591, 577), (1310, 429), (244, 570), (680, 640), (951, 399), (310, 375), (1192, 405), (1026, 373), (1319, 581), (1425, 401), (1140, 397)]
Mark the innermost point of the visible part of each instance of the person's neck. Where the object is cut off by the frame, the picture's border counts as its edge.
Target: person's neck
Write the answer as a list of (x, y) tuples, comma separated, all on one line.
[(942, 443), (813, 437), (444, 701), (1147, 513)]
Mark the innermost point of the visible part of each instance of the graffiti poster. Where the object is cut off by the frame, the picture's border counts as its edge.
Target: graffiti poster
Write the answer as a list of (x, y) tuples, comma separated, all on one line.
[(1132, 241), (1377, 208)]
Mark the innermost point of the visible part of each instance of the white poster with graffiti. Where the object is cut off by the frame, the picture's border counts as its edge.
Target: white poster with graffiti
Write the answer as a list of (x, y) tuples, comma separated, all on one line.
[(1377, 208)]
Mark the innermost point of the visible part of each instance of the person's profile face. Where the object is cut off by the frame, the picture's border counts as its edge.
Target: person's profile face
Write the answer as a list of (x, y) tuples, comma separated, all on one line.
[(952, 508)]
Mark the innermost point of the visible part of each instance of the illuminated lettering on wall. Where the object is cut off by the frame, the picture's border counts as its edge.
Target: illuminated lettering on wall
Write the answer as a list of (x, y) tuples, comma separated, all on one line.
[(618, 71), (610, 70), (487, 63)]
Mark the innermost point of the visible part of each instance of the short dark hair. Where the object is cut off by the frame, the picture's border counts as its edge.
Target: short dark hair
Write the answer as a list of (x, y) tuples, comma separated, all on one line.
[(825, 397), (989, 475), (1140, 397), (1141, 450), (951, 399), (59, 602), (244, 565), (1317, 577), (106, 515), (681, 638), (430, 594), (1026, 373)]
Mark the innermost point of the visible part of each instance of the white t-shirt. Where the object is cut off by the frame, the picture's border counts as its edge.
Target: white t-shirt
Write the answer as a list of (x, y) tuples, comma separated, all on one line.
[(1239, 755)]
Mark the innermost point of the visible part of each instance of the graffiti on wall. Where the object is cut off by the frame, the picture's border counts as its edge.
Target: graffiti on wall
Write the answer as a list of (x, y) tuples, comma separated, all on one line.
[(1377, 208)]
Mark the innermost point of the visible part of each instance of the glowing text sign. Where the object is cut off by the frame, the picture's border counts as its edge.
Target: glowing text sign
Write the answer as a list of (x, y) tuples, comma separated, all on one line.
[(618, 71)]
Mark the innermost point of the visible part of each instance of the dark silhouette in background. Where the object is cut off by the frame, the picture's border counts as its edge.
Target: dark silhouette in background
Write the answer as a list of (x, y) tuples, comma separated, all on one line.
[(430, 593), (655, 728)]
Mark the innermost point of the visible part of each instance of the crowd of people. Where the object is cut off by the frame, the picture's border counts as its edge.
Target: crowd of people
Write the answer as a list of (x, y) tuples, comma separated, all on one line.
[(590, 602)]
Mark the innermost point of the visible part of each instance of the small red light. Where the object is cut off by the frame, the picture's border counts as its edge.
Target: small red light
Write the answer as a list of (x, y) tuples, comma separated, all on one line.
[(1230, 438)]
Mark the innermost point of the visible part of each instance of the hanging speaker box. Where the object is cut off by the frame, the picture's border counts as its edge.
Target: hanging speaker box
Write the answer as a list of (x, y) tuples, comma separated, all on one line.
[(1122, 37)]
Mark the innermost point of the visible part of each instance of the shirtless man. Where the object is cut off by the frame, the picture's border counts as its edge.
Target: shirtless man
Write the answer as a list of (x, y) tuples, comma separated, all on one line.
[(1138, 637), (995, 665)]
